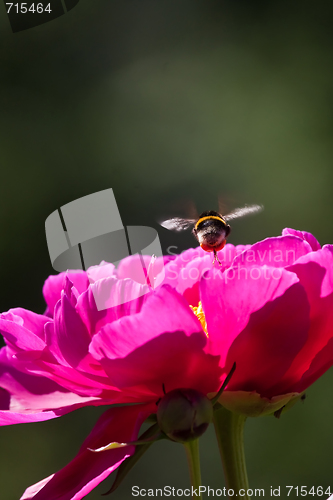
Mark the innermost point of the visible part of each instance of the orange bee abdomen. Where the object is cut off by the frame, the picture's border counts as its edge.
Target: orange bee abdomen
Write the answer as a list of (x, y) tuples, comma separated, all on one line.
[(211, 248)]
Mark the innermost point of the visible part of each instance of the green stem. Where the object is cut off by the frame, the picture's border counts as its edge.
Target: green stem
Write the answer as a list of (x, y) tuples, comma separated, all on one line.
[(229, 427), (193, 460)]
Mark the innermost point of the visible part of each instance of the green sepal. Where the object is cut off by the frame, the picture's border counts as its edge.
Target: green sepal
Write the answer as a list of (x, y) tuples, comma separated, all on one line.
[(152, 419), (129, 463), (110, 446), (114, 445)]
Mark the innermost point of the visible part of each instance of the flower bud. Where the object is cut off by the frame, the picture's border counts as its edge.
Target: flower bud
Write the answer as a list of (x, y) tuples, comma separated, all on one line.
[(184, 414)]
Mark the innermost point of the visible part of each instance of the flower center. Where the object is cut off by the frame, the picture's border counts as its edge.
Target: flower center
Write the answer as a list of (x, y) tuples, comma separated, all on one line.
[(198, 311)]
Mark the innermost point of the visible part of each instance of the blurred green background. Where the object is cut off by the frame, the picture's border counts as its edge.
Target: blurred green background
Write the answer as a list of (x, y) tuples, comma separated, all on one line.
[(166, 101)]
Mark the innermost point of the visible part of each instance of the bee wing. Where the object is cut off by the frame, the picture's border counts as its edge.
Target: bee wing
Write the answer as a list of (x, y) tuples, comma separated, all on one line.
[(178, 224), (240, 212)]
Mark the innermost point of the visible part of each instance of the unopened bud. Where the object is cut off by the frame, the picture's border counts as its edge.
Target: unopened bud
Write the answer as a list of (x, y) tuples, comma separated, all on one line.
[(184, 414)]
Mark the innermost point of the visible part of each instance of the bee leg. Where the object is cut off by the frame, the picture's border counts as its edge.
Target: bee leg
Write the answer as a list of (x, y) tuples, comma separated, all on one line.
[(216, 259), (215, 256)]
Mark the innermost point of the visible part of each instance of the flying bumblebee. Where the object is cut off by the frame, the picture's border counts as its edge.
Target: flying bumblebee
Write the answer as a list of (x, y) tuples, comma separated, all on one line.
[(211, 229)]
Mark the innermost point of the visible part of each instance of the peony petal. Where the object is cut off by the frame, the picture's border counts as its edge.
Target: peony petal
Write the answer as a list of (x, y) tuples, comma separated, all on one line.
[(70, 291), (280, 251), (185, 271), (74, 369), (30, 320), (112, 293), (123, 292), (185, 278), (163, 311), (88, 469), (30, 354), (321, 362), (85, 383), (23, 330), (304, 235), (54, 285), (133, 267), (11, 418), (161, 344), (103, 270), (143, 269), (37, 359), (315, 272), (69, 331), (30, 398), (261, 322), (172, 360), (229, 298)]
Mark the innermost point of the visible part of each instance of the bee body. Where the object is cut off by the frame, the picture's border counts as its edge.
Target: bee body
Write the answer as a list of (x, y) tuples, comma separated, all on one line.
[(211, 229)]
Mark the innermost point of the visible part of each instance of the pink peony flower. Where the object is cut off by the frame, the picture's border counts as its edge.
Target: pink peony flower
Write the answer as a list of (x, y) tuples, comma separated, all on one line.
[(75, 356), (268, 308)]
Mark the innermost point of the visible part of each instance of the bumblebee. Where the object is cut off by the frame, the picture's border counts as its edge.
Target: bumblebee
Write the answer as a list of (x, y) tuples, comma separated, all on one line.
[(211, 229)]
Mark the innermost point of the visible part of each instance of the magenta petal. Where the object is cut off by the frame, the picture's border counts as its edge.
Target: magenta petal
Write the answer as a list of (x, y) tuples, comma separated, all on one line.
[(69, 402), (103, 270), (321, 362), (11, 418), (229, 252), (259, 322), (265, 350), (54, 285), (70, 291), (88, 469), (185, 271), (123, 293), (71, 339), (15, 326), (29, 354), (304, 235), (111, 293), (142, 269), (172, 360), (315, 272), (229, 299), (175, 267), (133, 267), (185, 276), (164, 343), (30, 320), (279, 251), (84, 383), (30, 398), (76, 369), (163, 311)]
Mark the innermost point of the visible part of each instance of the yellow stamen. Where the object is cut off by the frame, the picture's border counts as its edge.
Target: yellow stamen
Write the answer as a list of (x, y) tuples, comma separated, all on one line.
[(198, 311)]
